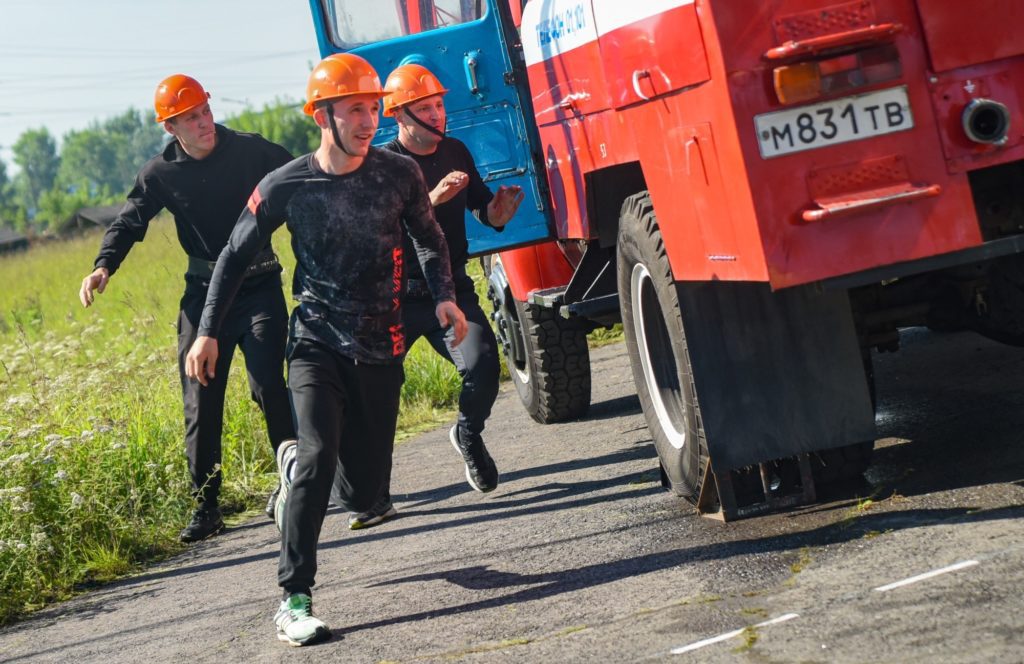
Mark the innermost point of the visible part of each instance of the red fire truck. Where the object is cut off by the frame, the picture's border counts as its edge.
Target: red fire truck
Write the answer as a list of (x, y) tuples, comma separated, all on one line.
[(762, 192)]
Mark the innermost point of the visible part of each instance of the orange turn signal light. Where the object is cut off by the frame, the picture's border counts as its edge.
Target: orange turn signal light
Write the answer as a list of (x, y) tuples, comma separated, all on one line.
[(797, 83), (803, 81)]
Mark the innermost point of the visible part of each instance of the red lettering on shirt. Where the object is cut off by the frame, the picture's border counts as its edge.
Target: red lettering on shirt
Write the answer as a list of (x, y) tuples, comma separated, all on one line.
[(397, 340), (396, 279)]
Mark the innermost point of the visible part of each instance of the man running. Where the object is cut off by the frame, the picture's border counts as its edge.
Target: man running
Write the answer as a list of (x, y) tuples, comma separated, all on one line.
[(204, 177), (348, 207), (415, 98)]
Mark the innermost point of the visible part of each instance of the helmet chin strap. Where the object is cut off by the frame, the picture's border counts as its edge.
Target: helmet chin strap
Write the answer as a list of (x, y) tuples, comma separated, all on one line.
[(437, 132), (334, 131)]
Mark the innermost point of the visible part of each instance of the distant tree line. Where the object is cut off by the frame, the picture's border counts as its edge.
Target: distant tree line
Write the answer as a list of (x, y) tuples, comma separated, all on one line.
[(97, 165)]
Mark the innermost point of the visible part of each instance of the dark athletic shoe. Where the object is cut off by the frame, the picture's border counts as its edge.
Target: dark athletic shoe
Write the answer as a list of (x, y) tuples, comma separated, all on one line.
[(271, 501), (481, 473), (381, 511), (205, 522), (296, 624), (286, 454)]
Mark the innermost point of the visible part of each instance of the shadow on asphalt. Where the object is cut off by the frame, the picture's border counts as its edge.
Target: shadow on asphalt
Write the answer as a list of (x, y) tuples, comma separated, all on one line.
[(605, 410), (954, 405), (568, 580), (544, 498), (641, 450), (550, 584)]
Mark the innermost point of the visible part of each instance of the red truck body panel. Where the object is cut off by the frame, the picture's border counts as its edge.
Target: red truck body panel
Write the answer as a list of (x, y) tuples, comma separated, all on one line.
[(679, 87)]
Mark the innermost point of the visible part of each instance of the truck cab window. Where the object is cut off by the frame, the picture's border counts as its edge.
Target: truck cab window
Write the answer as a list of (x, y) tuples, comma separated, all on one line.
[(354, 23)]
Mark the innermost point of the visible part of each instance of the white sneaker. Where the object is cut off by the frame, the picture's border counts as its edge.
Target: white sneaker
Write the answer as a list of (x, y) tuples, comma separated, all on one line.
[(296, 624), (286, 453)]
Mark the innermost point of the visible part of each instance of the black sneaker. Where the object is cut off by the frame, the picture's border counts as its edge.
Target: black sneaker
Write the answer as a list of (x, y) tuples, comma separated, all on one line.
[(205, 522), (381, 511), (481, 473), (271, 502)]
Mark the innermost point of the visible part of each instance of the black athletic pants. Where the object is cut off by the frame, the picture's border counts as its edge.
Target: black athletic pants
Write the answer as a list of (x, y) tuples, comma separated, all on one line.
[(476, 358), (346, 414), (258, 324)]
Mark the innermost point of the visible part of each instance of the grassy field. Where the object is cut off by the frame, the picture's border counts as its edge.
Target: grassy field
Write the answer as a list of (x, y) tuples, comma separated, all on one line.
[(93, 478)]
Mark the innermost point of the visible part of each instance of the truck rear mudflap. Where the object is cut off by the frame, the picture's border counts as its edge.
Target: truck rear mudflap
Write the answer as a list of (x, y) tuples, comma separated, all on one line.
[(772, 390)]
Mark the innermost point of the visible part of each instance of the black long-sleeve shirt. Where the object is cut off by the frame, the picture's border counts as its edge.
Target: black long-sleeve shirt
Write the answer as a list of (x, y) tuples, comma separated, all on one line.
[(204, 195), (347, 233), (451, 155)]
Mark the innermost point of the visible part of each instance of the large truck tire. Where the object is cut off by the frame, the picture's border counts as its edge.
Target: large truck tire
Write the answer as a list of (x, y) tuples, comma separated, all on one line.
[(554, 382), (547, 356), (652, 321)]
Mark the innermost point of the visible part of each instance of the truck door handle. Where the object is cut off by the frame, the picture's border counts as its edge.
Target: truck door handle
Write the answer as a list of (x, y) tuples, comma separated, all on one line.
[(470, 62), (637, 75)]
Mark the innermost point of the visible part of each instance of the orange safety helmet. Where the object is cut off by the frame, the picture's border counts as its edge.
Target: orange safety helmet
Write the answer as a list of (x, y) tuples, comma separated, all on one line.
[(407, 84), (340, 75), (177, 94)]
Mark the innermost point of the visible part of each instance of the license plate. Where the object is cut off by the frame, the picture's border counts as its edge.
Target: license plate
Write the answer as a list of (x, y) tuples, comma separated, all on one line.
[(833, 122)]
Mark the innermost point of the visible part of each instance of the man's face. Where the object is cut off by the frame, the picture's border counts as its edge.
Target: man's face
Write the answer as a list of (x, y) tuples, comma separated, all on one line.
[(430, 111), (195, 130), (356, 118)]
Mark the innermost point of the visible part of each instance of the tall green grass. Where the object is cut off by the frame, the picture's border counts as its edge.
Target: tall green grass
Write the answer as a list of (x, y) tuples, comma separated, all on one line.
[(93, 478)]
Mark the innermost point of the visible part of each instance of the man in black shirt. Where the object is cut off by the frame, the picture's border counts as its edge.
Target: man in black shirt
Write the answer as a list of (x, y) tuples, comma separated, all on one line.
[(415, 99), (348, 207), (204, 177)]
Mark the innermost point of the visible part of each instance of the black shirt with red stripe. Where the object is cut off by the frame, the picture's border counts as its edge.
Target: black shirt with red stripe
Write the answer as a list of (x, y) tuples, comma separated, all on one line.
[(347, 233), (204, 195)]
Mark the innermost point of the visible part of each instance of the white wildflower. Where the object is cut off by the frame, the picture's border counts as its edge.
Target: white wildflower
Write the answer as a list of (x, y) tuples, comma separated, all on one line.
[(88, 434), (40, 539), (61, 475), (118, 446), (76, 500)]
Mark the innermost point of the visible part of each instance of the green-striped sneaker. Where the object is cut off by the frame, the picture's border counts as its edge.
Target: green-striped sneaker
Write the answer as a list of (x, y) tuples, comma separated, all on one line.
[(286, 454), (296, 624)]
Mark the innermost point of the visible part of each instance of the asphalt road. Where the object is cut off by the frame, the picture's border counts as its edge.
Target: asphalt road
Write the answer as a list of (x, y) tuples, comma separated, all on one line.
[(579, 555)]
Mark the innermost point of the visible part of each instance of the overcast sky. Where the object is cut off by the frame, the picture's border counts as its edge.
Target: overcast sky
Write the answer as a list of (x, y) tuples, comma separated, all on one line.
[(67, 63)]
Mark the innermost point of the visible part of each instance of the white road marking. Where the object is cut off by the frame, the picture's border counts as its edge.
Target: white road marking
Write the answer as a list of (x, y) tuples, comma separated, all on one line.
[(725, 637), (927, 575)]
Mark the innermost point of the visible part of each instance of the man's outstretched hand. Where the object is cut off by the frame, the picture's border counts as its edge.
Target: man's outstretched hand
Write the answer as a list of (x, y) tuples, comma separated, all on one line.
[(504, 205), (92, 284), (449, 185), (449, 315), (201, 360)]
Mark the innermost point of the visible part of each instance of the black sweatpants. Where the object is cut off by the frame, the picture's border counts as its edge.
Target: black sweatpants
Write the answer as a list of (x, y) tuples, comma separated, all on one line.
[(258, 324), (346, 414), (476, 358)]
